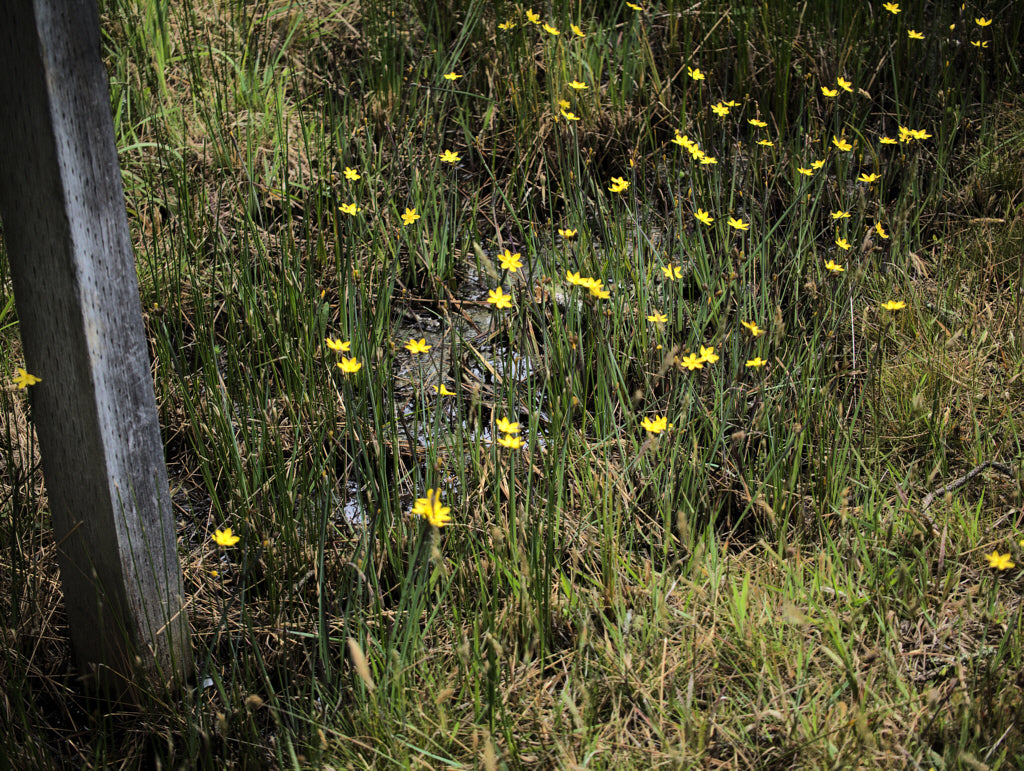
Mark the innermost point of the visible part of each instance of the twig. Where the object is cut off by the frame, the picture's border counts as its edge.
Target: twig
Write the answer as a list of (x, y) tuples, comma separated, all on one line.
[(956, 484)]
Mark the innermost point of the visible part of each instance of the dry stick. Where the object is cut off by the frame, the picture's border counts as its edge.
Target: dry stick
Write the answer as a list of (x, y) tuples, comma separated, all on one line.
[(956, 484)]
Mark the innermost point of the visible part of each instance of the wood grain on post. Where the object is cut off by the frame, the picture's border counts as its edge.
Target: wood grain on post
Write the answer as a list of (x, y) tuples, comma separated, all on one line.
[(76, 290)]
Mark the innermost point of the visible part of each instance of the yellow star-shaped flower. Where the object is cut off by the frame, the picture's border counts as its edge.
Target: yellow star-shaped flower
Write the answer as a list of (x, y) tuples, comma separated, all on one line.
[(417, 346), (506, 426), (225, 537), (24, 380), (499, 299), (655, 425), (999, 561), (349, 365), (753, 328), (430, 509), (842, 144), (510, 441), (619, 185)]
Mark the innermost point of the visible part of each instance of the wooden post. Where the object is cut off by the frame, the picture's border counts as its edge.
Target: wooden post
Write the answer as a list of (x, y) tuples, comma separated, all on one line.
[(63, 213)]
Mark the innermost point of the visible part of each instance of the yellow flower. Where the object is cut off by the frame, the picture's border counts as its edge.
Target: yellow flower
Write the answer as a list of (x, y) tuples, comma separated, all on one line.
[(597, 290), (920, 134), (838, 215), (506, 426), (999, 561), (449, 157), (829, 92), (720, 110), (569, 115), (443, 390), (351, 174), (225, 537), (805, 172), (915, 35), (695, 73), (842, 243), (817, 164), (453, 75), (577, 279), (567, 232), (752, 326), (867, 178), (634, 6), (708, 354), (887, 140), (349, 365), (672, 272), (756, 122), (739, 224), (682, 140), (655, 426), (757, 361), (846, 85), (842, 144), (510, 262), (576, 30), (983, 22), (410, 216), (835, 267), (533, 17), (657, 318), (766, 143), (565, 104), (894, 305), (430, 509), (979, 43), (338, 345), (350, 208), (880, 231), (704, 217), (692, 362), (507, 25), (891, 7), (417, 346), (618, 185), (551, 30), (499, 299), (578, 85), (707, 160), (24, 380), (510, 441)]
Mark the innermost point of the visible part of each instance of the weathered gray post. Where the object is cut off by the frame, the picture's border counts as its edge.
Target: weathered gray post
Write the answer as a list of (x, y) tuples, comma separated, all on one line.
[(63, 213)]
